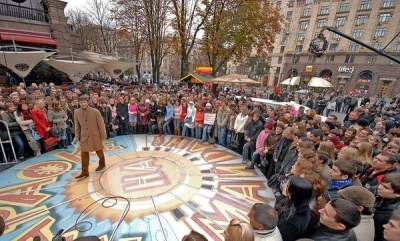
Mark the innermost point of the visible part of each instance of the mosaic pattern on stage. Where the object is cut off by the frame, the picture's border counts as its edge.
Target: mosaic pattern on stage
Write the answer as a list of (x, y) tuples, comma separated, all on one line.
[(153, 188)]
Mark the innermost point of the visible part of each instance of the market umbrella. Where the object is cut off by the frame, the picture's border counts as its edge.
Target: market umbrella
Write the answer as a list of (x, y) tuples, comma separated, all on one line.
[(319, 83), (292, 81)]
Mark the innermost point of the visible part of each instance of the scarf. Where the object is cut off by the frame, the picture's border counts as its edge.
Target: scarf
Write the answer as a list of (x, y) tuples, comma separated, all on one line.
[(337, 184), (26, 115)]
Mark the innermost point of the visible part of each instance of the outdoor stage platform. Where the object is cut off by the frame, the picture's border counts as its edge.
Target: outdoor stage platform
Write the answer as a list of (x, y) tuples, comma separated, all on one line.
[(163, 187)]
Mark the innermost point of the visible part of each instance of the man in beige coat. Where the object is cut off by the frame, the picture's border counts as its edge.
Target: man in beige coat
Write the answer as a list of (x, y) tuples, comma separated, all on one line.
[(90, 130)]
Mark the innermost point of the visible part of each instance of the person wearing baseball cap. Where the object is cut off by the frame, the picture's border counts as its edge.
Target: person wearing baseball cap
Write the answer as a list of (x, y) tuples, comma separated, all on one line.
[(364, 200)]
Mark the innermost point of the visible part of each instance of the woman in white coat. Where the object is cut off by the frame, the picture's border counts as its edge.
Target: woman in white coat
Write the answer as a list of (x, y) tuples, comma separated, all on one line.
[(239, 127), (189, 120)]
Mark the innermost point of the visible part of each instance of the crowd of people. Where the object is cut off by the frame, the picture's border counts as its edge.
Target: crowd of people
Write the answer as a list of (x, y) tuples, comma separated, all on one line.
[(333, 180)]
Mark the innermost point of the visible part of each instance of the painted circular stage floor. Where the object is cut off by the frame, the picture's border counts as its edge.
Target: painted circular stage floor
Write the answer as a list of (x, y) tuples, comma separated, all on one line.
[(163, 187)]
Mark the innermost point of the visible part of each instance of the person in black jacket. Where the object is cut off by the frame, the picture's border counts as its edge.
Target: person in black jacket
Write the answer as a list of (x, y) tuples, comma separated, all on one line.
[(337, 219), (282, 147), (105, 112), (122, 115), (252, 133), (387, 202), (294, 210)]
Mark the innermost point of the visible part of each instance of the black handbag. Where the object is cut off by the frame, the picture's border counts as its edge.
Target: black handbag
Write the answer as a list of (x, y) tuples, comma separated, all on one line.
[(55, 131), (116, 121), (235, 140)]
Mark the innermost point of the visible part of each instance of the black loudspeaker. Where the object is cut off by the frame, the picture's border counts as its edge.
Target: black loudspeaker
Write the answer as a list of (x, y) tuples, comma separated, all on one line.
[(19, 1)]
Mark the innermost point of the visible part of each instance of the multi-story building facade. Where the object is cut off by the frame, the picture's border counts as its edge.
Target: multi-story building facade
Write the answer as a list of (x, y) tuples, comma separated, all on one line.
[(37, 24), (347, 65)]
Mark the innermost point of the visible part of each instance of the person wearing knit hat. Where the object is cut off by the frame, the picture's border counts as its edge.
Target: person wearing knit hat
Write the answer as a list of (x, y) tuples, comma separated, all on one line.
[(362, 122), (364, 200)]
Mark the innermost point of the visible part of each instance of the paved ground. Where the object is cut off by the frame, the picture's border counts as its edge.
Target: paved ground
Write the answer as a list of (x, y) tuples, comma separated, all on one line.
[(167, 185)]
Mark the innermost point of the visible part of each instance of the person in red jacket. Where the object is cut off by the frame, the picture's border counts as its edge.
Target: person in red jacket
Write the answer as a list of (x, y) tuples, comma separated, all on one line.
[(39, 116)]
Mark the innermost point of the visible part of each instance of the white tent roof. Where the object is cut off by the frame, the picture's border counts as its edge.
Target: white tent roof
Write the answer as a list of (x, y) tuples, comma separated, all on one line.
[(75, 70), (293, 81), (319, 83), (22, 63)]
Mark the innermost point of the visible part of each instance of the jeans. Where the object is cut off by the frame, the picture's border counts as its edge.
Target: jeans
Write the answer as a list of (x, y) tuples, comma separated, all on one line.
[(166, 128), (255, 158), (222, 135), (185, 129), (247, 149), (18, 140), (206, 131), (229, 138), (177, 123), (199, 132)]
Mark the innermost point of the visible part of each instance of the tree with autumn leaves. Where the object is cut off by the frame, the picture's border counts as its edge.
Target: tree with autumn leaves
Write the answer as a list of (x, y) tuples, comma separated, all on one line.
[(236, 29), (226, 30)]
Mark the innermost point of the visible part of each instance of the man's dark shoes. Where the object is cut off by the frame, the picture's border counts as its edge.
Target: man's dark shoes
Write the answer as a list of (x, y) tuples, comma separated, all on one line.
[(99, 168), (249, 168), (82, 176)]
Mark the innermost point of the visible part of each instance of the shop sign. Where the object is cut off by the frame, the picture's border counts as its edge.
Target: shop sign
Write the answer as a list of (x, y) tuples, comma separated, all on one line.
[(345, 69)]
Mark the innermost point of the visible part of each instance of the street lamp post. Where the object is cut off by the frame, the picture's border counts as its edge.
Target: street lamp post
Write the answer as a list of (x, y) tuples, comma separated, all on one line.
[(291, 71)]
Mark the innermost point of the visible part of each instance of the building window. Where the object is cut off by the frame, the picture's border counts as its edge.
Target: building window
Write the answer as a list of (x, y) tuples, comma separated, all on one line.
[(376, 45), (311, 59), (353, 47), (280, 60), (324, 10), (301, 37), (340, 21), (361, 19), (333, 47), (371, 60), (357, 33), (384, 17), (344, 7), (397, 46), (304, 25), (388, 3), (306, 12), (291, 3), (298, 48), (380, 32), (329, 59), (321, 23), (365, 5), (282, 49), (289, 15), (279, 5), (278, 70), (335, 36), (309, 2), (349, 59)]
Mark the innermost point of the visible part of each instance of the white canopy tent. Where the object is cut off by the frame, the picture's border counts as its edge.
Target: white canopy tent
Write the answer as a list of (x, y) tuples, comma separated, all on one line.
[(317, 82), (22, 63), (75, 70), (114, 67), (292, 81)]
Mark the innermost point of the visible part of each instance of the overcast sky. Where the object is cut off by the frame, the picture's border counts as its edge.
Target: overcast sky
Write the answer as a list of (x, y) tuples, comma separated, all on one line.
[(75, 3)]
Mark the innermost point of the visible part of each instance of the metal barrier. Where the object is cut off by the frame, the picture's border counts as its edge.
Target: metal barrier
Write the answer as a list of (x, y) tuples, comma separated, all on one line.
[(9, 141)]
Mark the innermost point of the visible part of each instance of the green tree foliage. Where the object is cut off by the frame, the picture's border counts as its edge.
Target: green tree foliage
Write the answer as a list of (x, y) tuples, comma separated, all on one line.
[(236, 29)]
